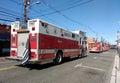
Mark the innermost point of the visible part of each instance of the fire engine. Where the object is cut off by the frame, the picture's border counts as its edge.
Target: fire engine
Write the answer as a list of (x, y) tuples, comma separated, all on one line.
[(44, 42), (95, 47), (105, 47)]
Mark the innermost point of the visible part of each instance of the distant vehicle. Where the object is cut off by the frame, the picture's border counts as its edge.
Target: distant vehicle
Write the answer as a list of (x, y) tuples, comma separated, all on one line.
[(113, 46), (95, 47), (44, 42), (98, 47), (105, 47)]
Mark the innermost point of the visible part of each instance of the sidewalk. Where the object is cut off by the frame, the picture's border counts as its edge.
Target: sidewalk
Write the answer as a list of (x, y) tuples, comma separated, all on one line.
[(115, 77), (3, 59)]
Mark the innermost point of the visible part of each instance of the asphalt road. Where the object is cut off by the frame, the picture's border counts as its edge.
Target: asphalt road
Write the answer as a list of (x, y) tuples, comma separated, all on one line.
[(95, 68)]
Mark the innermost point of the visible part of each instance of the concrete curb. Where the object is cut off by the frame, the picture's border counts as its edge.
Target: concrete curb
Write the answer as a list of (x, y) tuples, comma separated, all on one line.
[(115, 76)]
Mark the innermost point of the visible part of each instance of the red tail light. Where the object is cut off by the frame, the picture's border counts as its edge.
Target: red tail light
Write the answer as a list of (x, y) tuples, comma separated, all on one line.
[(33, 55), (13, 30), (33, 28), (13, 53), (97, 48), (62, 35), (33, 41), (13, 40)]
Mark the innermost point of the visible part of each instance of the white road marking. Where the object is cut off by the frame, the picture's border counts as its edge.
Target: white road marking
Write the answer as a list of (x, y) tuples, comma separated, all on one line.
[(78, 65), (94, 57), (93, 68), (101, 54), (88, 67), (6, 62)]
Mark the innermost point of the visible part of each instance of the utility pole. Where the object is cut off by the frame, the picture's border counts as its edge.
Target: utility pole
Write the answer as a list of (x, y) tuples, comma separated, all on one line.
[(85, 29), (25, 10), (26, 4), (96, 36)]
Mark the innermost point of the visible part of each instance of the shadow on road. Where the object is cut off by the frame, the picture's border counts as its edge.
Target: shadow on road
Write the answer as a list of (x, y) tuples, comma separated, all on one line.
[(47, 65)]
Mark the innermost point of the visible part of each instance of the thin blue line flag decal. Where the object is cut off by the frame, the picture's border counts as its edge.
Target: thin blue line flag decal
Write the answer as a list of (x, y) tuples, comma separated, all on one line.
[(26, 54)]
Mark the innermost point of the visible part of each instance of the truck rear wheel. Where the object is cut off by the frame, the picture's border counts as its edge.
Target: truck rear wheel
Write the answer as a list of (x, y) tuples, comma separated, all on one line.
[(58, 58)]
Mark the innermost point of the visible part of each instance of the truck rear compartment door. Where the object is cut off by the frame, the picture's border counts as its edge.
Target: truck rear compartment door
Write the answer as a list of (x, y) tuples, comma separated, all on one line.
[(22, 43)]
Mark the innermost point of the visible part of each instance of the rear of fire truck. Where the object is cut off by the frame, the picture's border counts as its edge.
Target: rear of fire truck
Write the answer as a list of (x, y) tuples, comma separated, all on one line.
[(19, 44), (24, 42)]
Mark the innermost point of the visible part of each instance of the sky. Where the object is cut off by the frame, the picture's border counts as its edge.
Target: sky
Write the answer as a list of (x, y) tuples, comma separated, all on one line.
[(99, 18)]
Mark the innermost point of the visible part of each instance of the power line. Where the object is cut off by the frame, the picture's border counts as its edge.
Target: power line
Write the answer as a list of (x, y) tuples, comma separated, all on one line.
[(44, 16), (70, 4), (66, 3), (85, 2), (7, 20), (47, 17), (76, 2), (8, 10), (57, 23), (16, 2), (20, 4), (61, 13), (7, 15)]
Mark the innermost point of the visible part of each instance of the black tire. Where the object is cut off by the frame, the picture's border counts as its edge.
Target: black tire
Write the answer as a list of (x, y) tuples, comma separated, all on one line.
[(58, 58), (79, 56)]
